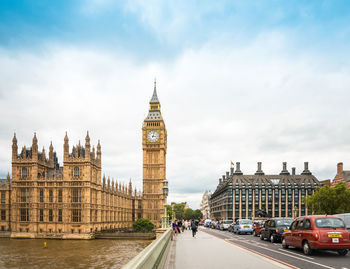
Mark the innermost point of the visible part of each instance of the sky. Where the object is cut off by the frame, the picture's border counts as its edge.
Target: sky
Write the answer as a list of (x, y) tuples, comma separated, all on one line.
[(241, 81)]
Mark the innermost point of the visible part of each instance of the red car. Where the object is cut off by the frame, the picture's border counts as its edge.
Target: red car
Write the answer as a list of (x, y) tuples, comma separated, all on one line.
[(318, 232), (257, 226)]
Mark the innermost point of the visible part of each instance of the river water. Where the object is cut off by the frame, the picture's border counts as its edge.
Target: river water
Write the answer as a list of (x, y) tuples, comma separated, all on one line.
[(99, 253)]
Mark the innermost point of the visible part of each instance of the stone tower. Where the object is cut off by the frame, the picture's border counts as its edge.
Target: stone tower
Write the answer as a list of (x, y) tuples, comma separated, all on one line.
[(154, 145)]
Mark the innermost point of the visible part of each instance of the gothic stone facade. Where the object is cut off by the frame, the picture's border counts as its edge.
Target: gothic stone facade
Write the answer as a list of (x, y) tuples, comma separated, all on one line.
[(154, 145), (204, 206), (45, 200), (251, 196)]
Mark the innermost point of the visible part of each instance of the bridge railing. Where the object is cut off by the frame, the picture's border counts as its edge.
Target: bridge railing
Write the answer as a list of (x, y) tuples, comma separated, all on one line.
[(154, 255)]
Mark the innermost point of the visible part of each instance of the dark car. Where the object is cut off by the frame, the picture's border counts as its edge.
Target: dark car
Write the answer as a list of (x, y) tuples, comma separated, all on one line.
[(257, 226), (274, 228), (318, 232)]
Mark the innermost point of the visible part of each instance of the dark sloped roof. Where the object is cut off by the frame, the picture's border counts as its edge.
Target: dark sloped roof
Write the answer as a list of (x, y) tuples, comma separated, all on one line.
[(346, 176), (266, 180)]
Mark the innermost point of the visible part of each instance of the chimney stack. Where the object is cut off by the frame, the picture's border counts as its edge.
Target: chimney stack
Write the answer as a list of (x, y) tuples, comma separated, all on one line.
[(220, 180), (227, 175), (293, 171), (223, 178), (259, 171), (284, 169), (238, 169), (232, 170), (339, 168), (306, 169)]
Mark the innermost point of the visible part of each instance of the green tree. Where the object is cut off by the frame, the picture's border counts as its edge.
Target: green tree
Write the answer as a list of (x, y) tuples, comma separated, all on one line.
[(329, 200), (179, 211), (198, 214), (188, 213), (143, 225), (169, 211)]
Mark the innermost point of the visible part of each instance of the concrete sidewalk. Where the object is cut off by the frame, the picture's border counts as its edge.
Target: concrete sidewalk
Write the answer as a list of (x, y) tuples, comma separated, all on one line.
[(207, 251)]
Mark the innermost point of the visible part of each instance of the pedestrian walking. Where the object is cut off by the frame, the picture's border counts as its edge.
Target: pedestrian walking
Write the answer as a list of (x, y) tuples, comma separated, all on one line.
[(179, 226), (193, 228), (186, 224), (174, 228)]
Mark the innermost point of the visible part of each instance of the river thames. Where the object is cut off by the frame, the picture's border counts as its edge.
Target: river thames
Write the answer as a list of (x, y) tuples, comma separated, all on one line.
[(99, 253)]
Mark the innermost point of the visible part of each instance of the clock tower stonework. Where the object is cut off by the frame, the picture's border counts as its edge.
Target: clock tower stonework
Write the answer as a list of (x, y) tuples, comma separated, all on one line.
[(154, 145)]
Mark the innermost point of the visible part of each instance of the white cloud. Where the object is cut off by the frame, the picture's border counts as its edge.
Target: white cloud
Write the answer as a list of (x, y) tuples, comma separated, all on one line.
[(221, 102)]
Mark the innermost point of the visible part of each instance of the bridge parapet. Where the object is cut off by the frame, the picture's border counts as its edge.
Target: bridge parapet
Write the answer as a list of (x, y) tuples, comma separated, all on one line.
[(154, 255)]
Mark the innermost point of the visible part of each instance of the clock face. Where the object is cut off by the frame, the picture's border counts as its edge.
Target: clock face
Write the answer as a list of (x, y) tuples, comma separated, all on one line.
[(152, 136)]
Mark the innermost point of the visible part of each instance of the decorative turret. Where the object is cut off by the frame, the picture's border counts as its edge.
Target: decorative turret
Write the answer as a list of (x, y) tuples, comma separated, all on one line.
[(35, 147), (99, 151), (24, 152), (93, 152), (8, 179), (109, 183), (66, 146), (87, 145), (14, 147), (43, 155), (51, 155), (130, 188), (113, 185), (104, 181)]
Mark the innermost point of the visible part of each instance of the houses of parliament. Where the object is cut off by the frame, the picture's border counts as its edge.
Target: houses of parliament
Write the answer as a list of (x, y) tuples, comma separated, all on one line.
[(42, 199)]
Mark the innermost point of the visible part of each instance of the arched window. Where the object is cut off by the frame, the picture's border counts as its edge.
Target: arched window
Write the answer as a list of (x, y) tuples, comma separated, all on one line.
[(76, 172), (24, 172)]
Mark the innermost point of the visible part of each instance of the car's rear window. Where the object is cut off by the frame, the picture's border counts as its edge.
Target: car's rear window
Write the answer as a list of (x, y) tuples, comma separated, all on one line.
[(228, 221), (284, 222), (329, 223), (246, 221)]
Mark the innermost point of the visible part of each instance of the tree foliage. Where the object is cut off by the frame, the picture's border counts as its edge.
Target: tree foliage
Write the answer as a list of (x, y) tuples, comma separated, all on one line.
[(192, 214), (179, 211), (188, 213), (143, 225), (329, 200), (169, 211)]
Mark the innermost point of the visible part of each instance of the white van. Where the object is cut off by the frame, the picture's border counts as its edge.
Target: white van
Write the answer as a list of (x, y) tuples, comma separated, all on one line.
[(346, 218)]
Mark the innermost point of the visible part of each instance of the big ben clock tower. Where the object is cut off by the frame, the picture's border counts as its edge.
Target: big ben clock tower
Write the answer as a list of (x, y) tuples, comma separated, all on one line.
[(154, 145)]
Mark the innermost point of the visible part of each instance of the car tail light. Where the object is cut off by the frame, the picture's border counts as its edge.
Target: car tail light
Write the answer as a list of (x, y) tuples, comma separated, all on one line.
[(276, 231)]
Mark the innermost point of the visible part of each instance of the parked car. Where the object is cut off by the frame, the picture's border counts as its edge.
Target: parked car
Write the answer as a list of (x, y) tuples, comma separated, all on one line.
[(346, 219), (274, 228), (225, 224), (207, 222), (213, 224), (257, 226), (243, 226), (218, 224), (318, 232)]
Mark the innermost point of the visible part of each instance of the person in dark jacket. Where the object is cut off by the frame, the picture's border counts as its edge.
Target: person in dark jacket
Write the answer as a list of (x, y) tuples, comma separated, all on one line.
[(193, 228), (179, 226)]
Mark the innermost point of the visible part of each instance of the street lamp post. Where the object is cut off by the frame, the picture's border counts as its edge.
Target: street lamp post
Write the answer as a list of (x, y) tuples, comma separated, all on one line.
[(295, 212), (165, 219)]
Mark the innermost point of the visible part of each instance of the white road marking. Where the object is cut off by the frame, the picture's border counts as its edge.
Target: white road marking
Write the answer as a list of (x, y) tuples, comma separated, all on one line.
[(303, 256), (292, 256)]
